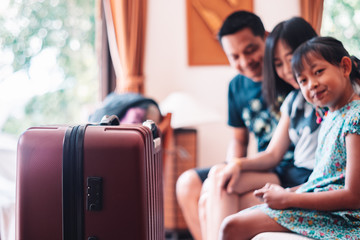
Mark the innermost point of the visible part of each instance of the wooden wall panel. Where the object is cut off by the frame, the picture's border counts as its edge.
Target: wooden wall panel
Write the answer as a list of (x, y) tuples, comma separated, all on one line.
[(204, 19)]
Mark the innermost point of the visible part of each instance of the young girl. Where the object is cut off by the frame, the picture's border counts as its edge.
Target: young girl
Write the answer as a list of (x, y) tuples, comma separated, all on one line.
[(297, 126), (327, 206)]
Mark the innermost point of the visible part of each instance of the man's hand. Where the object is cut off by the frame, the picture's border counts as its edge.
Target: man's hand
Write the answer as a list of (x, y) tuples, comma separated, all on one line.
[(229, 176), (275, 196)]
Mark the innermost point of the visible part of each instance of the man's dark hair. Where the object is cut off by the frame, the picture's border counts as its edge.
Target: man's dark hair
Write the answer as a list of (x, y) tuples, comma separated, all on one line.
[(240, 20)]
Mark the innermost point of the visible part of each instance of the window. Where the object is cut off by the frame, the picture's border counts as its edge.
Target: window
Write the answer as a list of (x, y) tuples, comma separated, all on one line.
[(48, 69), (341, 19)]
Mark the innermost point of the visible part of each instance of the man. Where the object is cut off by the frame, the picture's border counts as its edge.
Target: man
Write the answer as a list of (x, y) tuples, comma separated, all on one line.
[(242, 37)]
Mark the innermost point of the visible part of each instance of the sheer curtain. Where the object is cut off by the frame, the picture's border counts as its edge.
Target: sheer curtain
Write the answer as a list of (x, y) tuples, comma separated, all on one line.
[(125, 28), (311, 11)]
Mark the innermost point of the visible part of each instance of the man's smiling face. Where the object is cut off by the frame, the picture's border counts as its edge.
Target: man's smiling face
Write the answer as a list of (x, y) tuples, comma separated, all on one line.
[(245, 52)]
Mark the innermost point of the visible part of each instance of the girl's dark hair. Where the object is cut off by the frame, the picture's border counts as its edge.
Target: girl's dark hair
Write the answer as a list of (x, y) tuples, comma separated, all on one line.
[(293, 33), (355, 71), (328, 48), (240, 20)]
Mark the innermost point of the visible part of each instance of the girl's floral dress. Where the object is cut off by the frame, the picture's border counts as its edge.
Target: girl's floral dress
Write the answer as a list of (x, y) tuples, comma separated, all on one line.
[(329, 174)]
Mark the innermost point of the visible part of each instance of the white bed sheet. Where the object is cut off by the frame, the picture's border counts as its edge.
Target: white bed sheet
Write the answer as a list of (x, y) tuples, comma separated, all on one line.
[(279, 236)]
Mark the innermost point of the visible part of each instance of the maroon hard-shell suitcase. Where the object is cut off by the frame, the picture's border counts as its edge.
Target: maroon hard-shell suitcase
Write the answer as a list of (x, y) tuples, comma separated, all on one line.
[(89, 182)]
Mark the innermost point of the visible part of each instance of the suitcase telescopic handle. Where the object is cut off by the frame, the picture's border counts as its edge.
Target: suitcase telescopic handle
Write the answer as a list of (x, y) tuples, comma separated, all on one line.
[(113, 120), (110, 120)]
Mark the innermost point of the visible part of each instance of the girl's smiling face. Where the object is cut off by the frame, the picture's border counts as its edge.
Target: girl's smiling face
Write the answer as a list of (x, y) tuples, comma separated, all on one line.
[(324, 84), (282, 63)]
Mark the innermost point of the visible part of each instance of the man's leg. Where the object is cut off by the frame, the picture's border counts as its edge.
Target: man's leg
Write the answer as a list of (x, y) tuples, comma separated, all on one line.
[(247, 224), (202, 209), (188, 188), (218, 205)]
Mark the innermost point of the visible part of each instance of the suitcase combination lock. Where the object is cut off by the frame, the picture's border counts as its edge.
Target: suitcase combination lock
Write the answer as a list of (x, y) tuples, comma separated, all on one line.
[(94, 194)]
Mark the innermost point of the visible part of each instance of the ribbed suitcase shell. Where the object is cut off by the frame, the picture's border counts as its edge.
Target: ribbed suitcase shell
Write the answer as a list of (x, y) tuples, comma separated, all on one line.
[(127, 160)]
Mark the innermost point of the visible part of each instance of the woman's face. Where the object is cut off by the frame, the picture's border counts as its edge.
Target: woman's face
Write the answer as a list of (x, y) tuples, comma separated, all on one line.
[(282, 63)]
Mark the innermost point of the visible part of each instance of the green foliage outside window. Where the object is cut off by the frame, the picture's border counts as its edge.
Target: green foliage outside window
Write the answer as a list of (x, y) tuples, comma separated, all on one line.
[(66, 29), (341, 19)]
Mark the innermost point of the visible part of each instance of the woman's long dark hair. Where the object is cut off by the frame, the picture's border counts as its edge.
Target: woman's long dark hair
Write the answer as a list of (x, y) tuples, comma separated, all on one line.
[(293, 33)]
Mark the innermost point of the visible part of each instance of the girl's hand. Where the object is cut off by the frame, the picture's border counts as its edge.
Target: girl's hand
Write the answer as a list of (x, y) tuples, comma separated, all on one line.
[(274, 196), (229, 176)]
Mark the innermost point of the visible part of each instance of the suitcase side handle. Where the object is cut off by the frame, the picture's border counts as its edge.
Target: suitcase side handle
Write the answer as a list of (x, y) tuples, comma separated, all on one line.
[(152, 126), (155, 132)]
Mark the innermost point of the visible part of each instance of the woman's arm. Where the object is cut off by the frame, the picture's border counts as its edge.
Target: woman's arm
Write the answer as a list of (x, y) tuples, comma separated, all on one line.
[(347, 198), (262, 161), (275, 151)]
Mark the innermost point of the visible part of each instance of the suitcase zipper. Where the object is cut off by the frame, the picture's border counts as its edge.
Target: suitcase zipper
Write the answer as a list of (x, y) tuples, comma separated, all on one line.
[(72, 183)]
